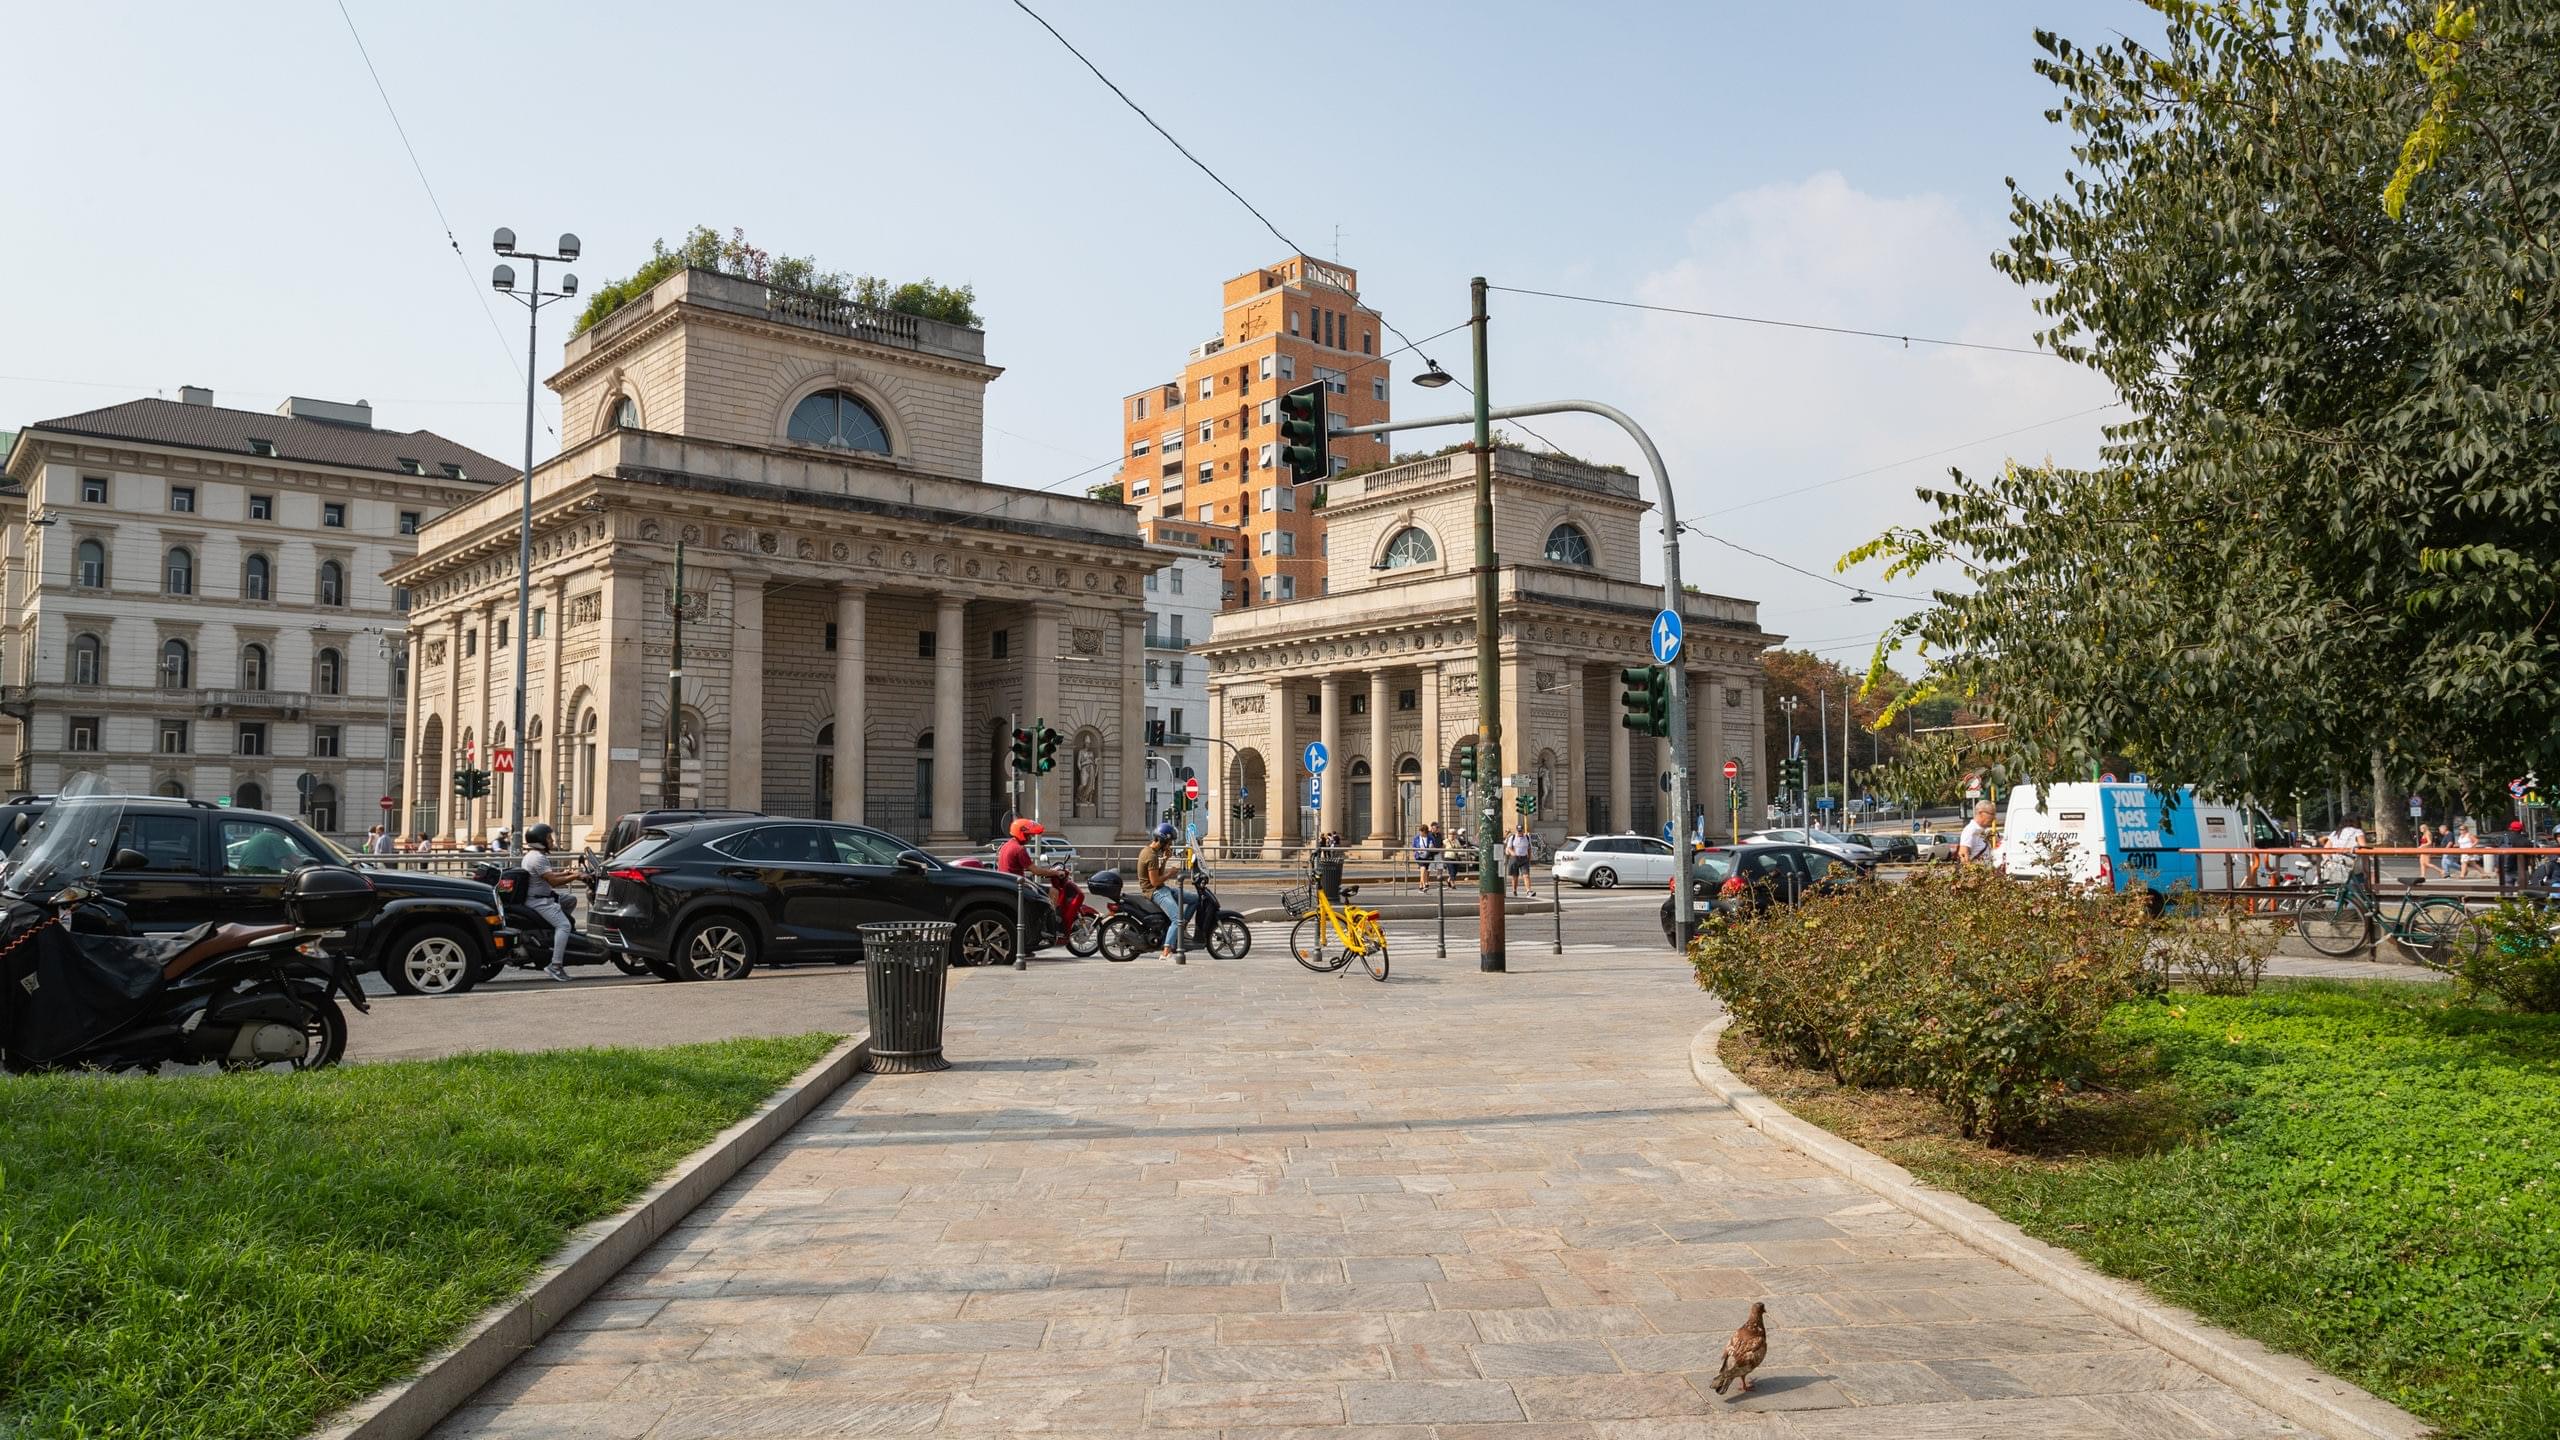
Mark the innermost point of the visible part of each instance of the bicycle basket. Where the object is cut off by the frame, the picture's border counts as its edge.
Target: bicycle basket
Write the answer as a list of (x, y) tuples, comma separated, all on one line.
[(1299, 901)]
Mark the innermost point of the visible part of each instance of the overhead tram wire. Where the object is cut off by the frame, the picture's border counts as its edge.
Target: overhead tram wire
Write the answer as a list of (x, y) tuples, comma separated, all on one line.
[(1238, 196), (1692, 527), (506, 347), (1907, 340)]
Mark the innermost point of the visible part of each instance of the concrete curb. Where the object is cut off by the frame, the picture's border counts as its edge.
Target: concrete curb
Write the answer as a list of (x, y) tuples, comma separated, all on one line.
[(2294, 1389), (413, 1407)]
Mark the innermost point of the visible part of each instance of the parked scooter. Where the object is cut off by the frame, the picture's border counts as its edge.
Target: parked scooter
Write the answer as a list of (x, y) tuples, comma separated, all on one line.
[(532, 951), (79, 993), (1137, 924), (1079, 919)]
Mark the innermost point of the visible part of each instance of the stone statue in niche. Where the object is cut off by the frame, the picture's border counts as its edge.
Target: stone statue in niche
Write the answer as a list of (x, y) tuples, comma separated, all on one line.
[(1088, 772)]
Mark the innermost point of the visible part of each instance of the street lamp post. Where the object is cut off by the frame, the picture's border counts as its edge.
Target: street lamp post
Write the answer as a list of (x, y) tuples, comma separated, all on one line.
[(533, 297), (1490, 954)]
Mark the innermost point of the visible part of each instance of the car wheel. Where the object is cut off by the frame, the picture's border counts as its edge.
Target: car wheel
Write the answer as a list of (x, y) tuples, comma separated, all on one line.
[(720, 947), (432, 960), (1604, 878), (983, 937)]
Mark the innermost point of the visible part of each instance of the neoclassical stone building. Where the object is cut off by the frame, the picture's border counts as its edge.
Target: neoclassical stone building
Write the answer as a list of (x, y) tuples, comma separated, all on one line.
[(863, 616), (1382, 668)]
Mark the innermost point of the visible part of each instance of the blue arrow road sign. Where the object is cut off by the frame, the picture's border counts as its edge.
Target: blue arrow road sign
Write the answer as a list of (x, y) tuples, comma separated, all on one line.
[(1314, 757), (1666, 637)]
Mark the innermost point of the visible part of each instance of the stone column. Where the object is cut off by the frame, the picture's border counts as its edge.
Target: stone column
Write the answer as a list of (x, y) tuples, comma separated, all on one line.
[(1130, 746), (1621, 793), (1041, 797), (451, 820), (1217, 768), (1280, 777), (1519, 747), (1706, 722), (558, 745), (950, 746), (404, 758), (487, 707), (1435, 747), (1577, 794), (746, 695), (1329, 730), (628, 590), (1382, 762), (852, 654)]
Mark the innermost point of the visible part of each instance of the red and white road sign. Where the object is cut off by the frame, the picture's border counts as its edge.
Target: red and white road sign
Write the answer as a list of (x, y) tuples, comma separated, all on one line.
[(503, 760), (1732, 769), (390, 804), (1191, 788)]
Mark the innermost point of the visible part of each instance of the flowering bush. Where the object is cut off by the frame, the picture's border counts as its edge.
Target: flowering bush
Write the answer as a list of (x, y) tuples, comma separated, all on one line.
[(1982, 992), (2518, 957)]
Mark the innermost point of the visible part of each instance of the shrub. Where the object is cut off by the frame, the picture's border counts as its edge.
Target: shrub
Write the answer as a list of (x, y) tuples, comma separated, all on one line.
[(1984, 993), (703, 248), (2518, 959), (2214, 951)]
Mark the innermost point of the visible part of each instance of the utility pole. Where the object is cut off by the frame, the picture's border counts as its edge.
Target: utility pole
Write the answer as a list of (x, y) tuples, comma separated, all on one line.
[(672, 783), (1490, 948)]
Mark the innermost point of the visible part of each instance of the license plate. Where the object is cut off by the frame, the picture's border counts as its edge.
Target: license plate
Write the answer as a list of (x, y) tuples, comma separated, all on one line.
[(1702, 906), (603, 889)]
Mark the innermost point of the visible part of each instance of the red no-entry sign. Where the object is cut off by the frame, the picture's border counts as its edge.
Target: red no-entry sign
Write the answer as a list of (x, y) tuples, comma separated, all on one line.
[(1732, 768), (1191, 788), (390, 804)]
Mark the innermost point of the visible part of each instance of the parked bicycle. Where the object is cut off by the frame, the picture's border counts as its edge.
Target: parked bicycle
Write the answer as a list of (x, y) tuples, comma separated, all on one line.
[(1327, 936), (2342, 918)]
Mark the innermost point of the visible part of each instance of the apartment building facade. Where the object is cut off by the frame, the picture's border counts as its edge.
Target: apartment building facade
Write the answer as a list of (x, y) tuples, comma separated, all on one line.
[(1182, 602), (195, 604), (1205, 446)]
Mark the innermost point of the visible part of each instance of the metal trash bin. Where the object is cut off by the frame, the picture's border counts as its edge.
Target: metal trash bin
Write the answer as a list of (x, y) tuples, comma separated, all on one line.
[(905, 966), (1329, 874)]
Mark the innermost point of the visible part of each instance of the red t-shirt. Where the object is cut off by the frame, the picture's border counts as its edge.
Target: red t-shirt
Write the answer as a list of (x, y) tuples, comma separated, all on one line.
[(1013, 858)]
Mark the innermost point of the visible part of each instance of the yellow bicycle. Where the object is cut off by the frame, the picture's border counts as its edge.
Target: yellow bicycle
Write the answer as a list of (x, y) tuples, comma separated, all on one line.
[(1327, 936)]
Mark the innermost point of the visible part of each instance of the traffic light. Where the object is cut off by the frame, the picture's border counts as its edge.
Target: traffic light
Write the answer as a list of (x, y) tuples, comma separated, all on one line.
[(1525, 803), (470, 784), (1647, 700), (1021, 751), (1466, 764), (1304, 447), (1155, 733), (1791, 773), (1044, 747)]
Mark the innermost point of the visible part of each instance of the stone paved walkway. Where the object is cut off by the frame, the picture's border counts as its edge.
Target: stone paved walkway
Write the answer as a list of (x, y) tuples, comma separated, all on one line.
[(1239, 1197)]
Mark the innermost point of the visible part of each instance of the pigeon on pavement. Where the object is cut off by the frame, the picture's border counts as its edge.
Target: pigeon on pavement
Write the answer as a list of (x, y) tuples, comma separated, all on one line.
[(1744, 1352)]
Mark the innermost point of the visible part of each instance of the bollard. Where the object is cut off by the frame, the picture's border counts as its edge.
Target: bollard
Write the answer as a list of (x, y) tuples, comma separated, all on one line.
[(1021, 936), (1555, 897), (1440, 901)]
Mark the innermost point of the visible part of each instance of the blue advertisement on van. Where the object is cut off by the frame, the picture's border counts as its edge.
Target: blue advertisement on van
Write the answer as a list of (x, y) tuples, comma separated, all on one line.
[(2145, 829)]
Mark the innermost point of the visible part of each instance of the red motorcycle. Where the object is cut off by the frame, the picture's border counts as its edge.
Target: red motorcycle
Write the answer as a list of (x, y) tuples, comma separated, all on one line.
[(1078, 920)]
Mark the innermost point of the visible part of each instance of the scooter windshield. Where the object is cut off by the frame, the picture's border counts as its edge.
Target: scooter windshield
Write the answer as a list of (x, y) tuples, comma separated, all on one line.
[(73, 844)]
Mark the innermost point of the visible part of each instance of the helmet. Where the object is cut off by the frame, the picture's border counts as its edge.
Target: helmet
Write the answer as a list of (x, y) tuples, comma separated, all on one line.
[(1164, 830), (537, 837), (1024, 829)]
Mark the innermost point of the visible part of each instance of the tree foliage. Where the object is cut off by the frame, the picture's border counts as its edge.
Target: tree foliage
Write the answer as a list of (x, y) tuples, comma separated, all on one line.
[(2315, 254), (704, 248)]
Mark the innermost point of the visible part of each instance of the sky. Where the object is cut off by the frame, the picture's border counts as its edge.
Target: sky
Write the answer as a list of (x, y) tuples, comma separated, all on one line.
[(217, 195)]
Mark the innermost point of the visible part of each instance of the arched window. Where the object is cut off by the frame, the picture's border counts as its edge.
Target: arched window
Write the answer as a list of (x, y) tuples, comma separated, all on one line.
[(250, 796), (177, 666), (172, 788), (1410, 547), (91, 565), (1567, 545), (822, 806), (253, 667), (838, 420), (88, 660), (626, 414), (324, 808), (587, 765), (333, 583), (258, 579), (329, 673), (182, 571), (924, 778), (530, 759)]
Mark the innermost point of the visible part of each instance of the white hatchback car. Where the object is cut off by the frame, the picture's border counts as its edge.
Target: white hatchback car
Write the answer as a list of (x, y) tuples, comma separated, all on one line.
[(1605, 861)]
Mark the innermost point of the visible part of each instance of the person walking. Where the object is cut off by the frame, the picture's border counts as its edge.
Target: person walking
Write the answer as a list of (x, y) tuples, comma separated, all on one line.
[(1159, 875), (541, 900), (1421, 857), (1519, 850), (1436, 856), (383, 841), (1974, 846)]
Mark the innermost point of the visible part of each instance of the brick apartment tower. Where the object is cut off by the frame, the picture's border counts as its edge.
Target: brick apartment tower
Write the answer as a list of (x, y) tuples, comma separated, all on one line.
[(1205, 447)]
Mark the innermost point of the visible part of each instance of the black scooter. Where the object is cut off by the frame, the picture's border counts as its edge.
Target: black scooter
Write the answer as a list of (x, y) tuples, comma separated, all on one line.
[(532, 951), (78, 992), (1138, 924)]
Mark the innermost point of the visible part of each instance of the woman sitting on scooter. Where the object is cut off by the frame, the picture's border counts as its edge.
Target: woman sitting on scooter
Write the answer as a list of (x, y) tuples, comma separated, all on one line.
[(1160, 875), (539, 867)]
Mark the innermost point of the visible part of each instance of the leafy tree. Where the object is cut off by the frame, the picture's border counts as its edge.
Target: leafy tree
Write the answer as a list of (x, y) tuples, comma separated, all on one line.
[(704, 248), (2312, 245)]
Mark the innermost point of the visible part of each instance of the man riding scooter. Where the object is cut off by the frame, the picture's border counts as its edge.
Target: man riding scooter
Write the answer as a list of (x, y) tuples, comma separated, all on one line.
[(1014, 858), (539, 867)]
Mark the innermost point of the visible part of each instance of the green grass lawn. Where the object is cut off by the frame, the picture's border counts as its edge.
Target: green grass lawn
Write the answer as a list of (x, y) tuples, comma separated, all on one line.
[(237, 1255), (2361, 1175)]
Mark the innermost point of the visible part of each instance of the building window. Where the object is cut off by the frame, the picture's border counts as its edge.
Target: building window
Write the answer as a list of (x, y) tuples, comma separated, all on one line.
[(333, 515), (182, 499), (1288, 367), (1175, 667), (253, 667), (253, 738), (1141, 447), (1288, 542), (541, 618), (326, 742), (84, 732), (838, 421), (504, 627), (333, 583), (410, 466), (924, 777), (1265, 457), (409, 522), (262, 507), (1268, 496), (1288, 587), (1000, 645), (1155, 672), (173, 737), (1138, 409), (91, 565), (1268, 544), (1205, 432), (181, 571), (400, 602), (1368, 342), (1315, 704), (322, 808), (177, 665), (1208, 387), (1411, 546), (470, 643), (831, 636), (1208, 514), (1288, 497), (1378, 389), (1207, 471), (1293, 322), (587, 765), (329, 673), (1567, 545), (93, 489), (1408, 700), (924, 644), (257, 578), (1151, 582), (1270, 589), (626, 414), (1359, 702)]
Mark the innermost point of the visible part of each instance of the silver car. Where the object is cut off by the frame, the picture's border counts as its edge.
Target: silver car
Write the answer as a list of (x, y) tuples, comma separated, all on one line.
[(1602, 862), (1841, 845)]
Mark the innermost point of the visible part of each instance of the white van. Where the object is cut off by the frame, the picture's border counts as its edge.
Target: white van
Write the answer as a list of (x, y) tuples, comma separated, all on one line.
[(2131, 836)]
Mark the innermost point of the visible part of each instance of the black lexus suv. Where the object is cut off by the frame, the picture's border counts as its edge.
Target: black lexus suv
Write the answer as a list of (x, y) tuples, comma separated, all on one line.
[(433, 935)]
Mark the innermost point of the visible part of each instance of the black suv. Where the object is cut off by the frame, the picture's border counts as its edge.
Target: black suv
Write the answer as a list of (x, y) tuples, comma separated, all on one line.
[(433, 935), (1736, 881), (640, 822)]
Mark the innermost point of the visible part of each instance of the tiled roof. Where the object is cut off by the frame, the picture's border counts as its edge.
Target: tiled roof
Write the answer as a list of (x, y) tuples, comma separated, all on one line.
[(311, 442)]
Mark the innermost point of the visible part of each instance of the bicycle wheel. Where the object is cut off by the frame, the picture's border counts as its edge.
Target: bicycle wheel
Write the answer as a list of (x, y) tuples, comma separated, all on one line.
[(1374, 954), (2441, 935), (2335, 925), (1306, 942)]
